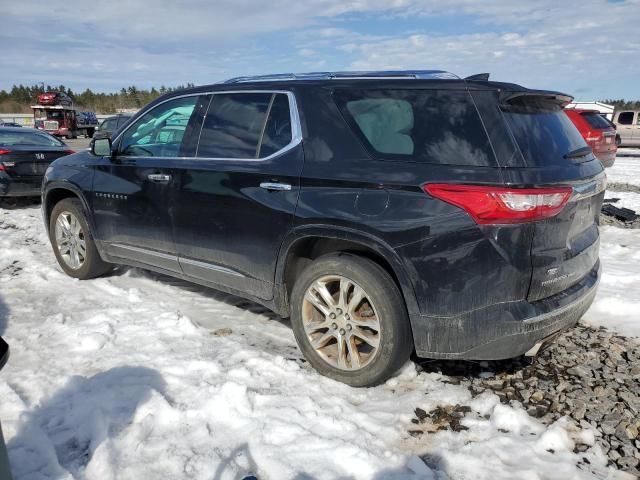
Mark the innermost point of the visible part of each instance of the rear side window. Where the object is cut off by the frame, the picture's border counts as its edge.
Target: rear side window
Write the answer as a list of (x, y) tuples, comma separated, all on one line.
[(625, 118), (595, 120), (245, 126), (544, 133), (430, 126)]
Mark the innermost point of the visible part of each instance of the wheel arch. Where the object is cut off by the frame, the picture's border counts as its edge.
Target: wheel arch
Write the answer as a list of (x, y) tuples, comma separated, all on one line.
[(304, 245), (54, 193)]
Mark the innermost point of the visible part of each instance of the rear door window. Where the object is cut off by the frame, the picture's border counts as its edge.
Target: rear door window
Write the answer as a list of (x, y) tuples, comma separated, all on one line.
[(248, 125), (625, 118), (430, 126), (543, 132)]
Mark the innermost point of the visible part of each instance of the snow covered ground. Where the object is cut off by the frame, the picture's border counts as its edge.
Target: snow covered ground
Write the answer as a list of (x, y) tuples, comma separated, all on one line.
[(138, 376), (626, 169)]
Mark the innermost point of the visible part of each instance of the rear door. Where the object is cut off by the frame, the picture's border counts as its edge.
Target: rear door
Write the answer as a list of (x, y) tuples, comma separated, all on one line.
[(236, 199), (565, 247)]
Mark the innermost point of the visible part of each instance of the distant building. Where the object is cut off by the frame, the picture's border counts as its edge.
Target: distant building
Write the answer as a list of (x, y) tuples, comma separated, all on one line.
[(605, 109)]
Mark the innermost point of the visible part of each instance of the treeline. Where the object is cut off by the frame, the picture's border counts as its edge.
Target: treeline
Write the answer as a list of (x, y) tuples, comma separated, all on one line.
[(21, 97), (623, 104)]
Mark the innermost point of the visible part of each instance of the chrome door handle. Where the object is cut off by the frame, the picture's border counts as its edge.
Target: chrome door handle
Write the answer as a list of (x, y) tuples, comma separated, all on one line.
[(159, 177), (275, 186)]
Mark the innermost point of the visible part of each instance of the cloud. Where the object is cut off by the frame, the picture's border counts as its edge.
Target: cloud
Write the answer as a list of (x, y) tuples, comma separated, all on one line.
[(570, 45)]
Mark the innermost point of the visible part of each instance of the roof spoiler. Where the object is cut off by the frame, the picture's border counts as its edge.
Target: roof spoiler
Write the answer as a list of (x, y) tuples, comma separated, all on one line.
[(479, 77), (561, 99)]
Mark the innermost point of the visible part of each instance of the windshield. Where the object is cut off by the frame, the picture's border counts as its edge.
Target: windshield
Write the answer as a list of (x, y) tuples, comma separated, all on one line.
[(26, 138), (543, 131)]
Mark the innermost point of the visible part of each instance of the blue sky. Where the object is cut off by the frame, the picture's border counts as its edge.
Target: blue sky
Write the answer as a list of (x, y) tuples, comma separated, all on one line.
[(589, 48)]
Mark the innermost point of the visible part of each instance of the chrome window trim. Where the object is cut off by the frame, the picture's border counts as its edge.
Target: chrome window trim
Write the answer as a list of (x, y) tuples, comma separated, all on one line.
[(296, 128), (146, 251)]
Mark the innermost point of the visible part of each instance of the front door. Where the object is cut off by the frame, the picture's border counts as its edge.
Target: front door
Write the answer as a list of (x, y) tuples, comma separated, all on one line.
[(237, 198), (134, 191)]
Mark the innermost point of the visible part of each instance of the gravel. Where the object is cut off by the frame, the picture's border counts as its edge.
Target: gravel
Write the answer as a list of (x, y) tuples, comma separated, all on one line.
[(588, 374)]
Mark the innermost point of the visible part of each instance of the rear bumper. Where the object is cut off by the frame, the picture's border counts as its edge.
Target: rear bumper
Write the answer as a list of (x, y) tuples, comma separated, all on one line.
[(606, 158), (504, 330), (20, 186)]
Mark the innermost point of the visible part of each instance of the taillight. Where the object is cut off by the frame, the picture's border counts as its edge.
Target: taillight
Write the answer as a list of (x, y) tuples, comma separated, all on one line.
[(4, 151), (503, 205), (594, 138), (69, 152)]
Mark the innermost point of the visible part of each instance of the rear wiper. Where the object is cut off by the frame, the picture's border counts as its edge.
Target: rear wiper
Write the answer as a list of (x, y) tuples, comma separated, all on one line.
[(579, 152)]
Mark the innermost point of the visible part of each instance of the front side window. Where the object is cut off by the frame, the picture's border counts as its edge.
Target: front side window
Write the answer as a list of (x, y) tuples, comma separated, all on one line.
[(245, 126), (625, 118), (159, 132), (430, 126)]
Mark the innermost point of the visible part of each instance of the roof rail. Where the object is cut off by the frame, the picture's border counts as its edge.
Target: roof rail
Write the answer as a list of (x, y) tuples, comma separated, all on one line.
[(382, 74)]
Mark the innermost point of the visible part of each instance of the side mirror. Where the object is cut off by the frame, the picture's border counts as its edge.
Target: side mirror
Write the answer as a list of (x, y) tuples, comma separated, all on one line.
[(101, 147), (4, 352)]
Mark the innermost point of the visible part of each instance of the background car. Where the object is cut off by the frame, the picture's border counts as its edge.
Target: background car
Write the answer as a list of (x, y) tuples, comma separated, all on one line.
[(628, 127), (25, 154), (598, 132), (112, 124)]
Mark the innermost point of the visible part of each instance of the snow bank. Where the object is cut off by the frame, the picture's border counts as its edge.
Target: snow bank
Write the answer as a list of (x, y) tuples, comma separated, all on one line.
[(617, 303)]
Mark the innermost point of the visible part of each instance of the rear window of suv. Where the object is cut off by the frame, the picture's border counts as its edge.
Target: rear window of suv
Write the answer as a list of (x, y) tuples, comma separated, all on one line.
[(430, 126), (544, 133), (595, 120)]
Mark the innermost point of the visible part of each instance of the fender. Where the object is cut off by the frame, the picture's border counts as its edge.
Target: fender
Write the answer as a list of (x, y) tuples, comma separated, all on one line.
[(345, 233), (71, 187)]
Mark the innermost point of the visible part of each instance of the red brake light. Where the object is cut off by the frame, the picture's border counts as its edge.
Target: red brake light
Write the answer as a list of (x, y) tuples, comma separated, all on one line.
[(4, 151), (69, 152), (498, 205)]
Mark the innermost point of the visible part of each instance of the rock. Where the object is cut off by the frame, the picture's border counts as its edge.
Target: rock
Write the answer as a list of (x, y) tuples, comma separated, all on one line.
[(537, 396), (626, 432), (627, 463), (580, 371), (222, 332)]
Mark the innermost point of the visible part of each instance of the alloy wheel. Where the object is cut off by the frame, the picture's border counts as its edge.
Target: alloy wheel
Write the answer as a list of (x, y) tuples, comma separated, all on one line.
[(341, 322), (70, 240)]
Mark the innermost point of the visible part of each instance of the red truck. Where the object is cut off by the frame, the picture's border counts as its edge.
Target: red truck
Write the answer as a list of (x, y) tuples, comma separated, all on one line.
[(55, 114)]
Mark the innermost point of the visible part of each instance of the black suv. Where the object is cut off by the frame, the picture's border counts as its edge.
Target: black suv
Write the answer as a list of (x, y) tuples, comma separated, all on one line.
[(384, 212)]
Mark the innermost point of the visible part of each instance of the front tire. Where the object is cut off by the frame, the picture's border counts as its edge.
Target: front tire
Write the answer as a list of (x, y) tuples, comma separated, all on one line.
[(350, 320), (72, 242)]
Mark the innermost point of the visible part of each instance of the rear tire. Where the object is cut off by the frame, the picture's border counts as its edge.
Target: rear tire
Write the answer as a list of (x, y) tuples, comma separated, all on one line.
[(72, 242), (359, 333)]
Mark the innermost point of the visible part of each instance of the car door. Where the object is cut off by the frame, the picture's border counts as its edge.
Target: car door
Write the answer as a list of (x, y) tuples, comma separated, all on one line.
[(237, 198), (134, 190), (625, 122)]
